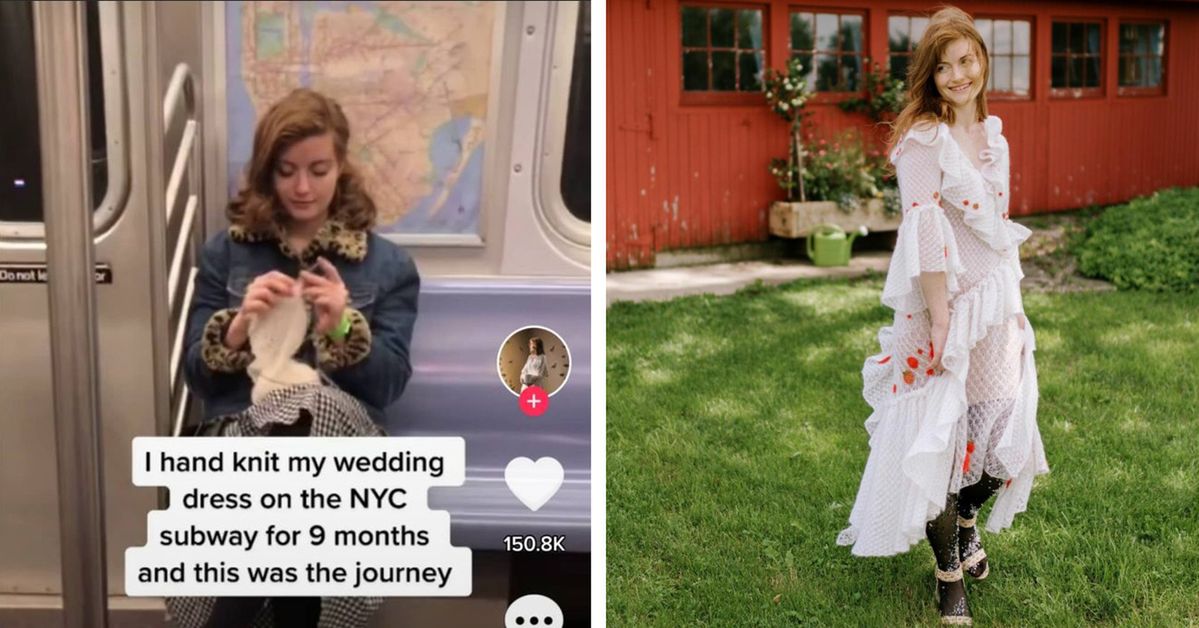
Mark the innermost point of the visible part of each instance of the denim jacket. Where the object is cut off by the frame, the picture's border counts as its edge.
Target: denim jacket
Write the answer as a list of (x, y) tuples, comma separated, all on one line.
[(371, 363)]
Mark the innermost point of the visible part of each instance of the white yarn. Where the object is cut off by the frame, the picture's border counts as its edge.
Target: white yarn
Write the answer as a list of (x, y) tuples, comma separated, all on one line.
[(274, 338)]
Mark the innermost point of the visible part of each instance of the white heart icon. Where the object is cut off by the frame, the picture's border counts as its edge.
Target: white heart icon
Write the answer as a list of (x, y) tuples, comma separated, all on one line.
[(534, 483)]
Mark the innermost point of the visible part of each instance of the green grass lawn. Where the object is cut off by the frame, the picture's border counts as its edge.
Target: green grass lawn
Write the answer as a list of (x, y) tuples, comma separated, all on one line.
[(735, 447)]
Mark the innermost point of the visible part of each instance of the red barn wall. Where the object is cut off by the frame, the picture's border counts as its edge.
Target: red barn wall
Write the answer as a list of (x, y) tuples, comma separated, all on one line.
[(683, 176)]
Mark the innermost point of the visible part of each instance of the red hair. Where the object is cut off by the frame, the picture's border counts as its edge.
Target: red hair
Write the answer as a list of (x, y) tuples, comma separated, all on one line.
[(925, 105), (302, 114)]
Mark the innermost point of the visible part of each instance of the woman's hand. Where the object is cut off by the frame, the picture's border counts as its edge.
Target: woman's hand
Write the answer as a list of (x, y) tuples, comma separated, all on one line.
[(939, 332), (328, 295), (261, 295)]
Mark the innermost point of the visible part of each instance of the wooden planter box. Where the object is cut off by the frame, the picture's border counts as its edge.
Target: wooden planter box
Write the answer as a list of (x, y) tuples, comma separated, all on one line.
[(796, 220)]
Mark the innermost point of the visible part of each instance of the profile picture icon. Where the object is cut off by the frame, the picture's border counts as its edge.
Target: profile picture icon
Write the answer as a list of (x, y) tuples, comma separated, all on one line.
[(534, 356)]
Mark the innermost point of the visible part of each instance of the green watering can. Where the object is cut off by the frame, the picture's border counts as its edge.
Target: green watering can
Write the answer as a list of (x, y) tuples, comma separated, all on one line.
[(829, 245)]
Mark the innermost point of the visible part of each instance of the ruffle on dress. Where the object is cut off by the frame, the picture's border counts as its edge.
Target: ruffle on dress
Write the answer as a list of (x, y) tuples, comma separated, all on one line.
[(990, 226), (917, 435)]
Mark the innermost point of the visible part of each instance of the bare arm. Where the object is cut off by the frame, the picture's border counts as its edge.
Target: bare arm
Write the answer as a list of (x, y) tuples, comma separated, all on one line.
[(936, 297)]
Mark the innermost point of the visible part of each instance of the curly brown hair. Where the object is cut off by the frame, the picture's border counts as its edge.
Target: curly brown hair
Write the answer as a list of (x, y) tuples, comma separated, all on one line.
[(925, 105), (301, 114)]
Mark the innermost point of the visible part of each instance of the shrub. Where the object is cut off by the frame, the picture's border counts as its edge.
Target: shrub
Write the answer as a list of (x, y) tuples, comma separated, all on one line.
[(840, 171), (1151, 243)]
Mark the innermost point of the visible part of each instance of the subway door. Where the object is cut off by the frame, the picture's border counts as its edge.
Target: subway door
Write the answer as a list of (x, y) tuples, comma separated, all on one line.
[(147, 179)]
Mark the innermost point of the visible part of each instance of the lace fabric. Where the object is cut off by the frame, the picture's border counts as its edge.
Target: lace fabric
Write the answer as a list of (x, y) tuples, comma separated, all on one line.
[(932, 435)]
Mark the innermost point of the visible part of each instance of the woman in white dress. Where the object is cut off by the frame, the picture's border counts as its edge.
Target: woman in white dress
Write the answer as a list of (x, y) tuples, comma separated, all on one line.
[(534, 371), (954, 387)]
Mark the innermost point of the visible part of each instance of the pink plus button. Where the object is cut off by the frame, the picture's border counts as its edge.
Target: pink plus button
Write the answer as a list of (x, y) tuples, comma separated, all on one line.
[(534, 401)]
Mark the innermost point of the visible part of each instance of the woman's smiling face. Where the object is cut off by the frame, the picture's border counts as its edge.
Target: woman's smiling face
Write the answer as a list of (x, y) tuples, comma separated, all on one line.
[(959, 73)]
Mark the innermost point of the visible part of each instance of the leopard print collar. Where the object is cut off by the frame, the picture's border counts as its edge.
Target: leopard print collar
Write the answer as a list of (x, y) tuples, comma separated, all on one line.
[(333, 237)]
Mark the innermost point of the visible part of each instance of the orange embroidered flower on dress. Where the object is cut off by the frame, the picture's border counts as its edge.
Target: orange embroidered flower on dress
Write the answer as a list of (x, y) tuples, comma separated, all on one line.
[(909, 378)]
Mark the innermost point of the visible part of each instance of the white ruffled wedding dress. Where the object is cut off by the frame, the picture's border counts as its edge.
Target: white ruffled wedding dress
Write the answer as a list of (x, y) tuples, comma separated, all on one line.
[(933, 435)]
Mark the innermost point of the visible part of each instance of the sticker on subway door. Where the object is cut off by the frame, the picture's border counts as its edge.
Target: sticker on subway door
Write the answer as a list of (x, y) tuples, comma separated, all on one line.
[(23, 272)]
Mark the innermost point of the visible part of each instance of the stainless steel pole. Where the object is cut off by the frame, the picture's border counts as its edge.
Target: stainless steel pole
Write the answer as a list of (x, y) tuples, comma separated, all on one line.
[(59, 32)]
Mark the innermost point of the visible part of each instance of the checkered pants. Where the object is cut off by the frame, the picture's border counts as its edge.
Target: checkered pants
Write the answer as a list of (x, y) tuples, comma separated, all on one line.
[(333, 413)]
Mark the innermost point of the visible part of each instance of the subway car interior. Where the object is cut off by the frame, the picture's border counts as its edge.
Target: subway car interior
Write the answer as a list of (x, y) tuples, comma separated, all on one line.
[(125, 129)]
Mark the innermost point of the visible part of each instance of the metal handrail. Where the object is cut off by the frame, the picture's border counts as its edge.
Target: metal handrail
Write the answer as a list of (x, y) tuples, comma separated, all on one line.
[(181, 328), (185, 234), (181, 86), (180, 412), (179, 166)]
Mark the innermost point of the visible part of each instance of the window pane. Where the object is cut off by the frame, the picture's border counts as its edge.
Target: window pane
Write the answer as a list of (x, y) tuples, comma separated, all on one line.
[(826, 73), (985, 29), (722, 28), (695, 27), (1078, 37), (1093, 72), (1128, 37), (1003, 73), (1093, 39), (749, 77), (1020, 79), (749, 29), (1021, 38), (802, 34), (851, 69), (695, 71), (1077, 67), (897, 34), (805, 60), (899, 67), (1124, 71), (1132, 71), (724, 76), (21, 154), (1060, 38), (1153, 71), (851, 33), (919, 25), (21, 181), (1058, 72), (826, 31), (576, 155), (1157, 34), (1003, 37)]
